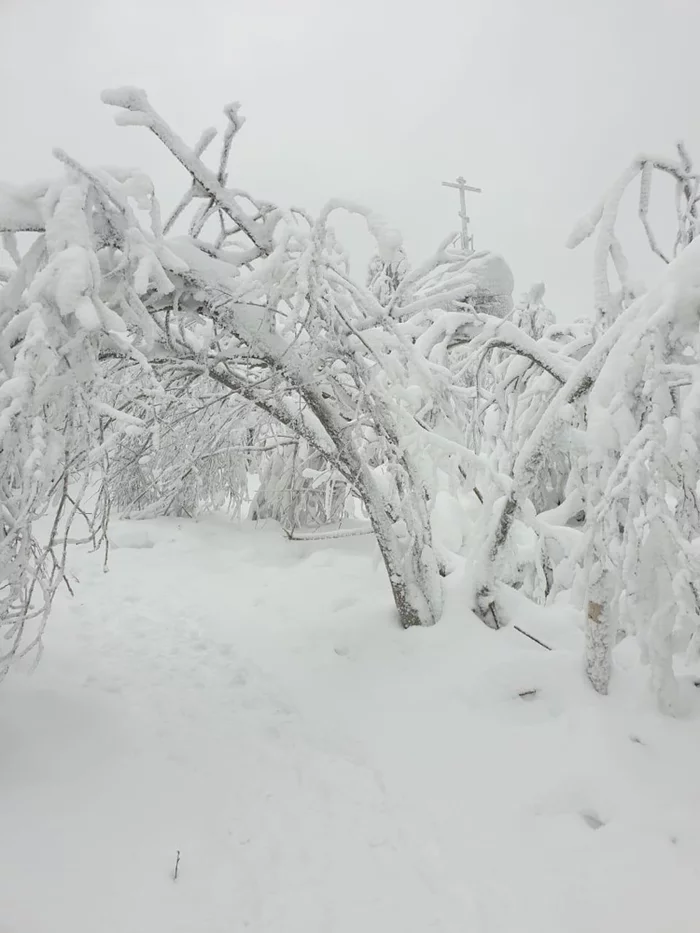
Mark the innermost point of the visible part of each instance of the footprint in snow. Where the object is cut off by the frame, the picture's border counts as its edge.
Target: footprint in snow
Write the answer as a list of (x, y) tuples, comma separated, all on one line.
[(592, 819)]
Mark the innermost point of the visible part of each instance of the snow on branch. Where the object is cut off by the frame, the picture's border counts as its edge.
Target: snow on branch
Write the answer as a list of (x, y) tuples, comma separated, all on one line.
[(137, 110), (169, 360), (604, 217)]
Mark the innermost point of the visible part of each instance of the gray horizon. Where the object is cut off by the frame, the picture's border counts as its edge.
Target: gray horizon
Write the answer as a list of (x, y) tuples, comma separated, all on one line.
[(540, 104)]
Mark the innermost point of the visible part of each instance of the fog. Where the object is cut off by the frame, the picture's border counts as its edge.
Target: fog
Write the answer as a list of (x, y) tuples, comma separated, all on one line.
[(539, 103)]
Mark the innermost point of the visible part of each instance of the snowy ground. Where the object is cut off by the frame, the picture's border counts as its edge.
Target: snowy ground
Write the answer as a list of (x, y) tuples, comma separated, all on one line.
[(250, 703)]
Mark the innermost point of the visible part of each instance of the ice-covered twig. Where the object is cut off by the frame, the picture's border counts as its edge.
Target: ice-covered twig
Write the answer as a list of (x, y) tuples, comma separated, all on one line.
[(138, 111)]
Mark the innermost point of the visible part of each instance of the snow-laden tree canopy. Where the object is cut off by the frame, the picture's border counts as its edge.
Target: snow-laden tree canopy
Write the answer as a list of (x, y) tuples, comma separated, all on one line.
[(112, 309), (152, 361)]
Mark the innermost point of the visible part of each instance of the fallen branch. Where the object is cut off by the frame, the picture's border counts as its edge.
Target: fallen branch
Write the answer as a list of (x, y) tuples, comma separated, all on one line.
[(321, 535)]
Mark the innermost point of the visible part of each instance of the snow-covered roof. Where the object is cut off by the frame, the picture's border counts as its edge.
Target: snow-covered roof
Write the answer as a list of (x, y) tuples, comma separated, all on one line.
[(492, 284)]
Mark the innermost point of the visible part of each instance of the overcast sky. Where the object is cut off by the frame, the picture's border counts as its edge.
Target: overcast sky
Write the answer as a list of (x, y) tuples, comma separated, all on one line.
[(541, 103)]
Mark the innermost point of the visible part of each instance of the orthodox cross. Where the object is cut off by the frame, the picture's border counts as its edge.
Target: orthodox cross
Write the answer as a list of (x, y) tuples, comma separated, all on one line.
[(461, 184)]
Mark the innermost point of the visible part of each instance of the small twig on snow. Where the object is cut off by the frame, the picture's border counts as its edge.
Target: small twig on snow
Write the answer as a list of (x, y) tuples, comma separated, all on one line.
[(531, 637)]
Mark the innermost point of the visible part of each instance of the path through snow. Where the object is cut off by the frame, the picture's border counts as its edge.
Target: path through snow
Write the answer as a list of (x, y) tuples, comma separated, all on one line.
[(250, 703)]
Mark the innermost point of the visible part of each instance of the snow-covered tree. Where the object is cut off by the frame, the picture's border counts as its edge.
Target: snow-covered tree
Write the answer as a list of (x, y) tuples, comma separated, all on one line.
[(195, 455), (643, 441), (164, 362), (299, 488), (616, 420), (56, 428), (252, 299), (384, 275)]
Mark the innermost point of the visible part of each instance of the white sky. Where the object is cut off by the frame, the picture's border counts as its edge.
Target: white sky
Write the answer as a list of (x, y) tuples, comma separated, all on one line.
[(541, 103)]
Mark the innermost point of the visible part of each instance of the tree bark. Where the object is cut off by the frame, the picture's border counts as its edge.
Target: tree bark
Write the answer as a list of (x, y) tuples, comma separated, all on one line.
[(408, 556), (485, 606), (598, 646), (600, 628)]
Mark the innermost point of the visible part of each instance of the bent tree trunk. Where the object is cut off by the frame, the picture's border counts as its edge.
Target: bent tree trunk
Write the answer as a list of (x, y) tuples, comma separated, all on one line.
[(485, 599), (403, 530), (405, 543)]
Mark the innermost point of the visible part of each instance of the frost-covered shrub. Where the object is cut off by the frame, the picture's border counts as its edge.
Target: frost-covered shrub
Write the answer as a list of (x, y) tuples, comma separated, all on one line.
[(117, 322), (195, 457)]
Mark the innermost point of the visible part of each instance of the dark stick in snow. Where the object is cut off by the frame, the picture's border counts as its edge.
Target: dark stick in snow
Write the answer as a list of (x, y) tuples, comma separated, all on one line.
[(531, 637)]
